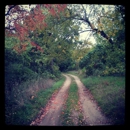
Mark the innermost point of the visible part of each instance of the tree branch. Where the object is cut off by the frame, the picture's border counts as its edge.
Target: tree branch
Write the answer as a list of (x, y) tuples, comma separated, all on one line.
[(9, 10), (102, 33), (84, 11), (90, 11), (85, 31), (9, 28)]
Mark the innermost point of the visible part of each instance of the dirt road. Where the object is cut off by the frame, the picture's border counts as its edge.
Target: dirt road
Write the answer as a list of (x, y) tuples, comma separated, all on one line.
[(51, 116), (90, 110), (92, 115)]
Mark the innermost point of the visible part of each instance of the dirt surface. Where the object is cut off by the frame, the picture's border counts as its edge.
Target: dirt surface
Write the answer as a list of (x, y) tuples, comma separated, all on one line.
[(91, 112), (52, 112), (50, 115)]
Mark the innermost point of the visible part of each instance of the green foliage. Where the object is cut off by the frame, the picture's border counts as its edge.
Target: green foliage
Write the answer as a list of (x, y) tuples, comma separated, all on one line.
[(21, 108), (17, 73), (67, 64), (105, 59)]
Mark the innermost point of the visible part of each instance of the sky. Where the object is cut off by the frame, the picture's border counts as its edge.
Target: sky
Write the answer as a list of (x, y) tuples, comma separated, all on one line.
[(85, 35), (82, 36)]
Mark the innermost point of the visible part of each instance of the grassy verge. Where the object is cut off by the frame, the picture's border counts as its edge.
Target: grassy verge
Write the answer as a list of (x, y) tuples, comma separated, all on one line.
[(109, 92), (29, 109), (74, 72), (71, 106)]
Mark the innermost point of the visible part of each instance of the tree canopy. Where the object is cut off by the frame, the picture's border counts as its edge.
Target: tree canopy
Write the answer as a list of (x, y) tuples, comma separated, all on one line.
[(48, 34)]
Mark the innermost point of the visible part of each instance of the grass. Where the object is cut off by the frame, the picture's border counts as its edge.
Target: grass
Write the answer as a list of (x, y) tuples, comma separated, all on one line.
[(29, 108), (74, 72), (109, 92), (70, 106)]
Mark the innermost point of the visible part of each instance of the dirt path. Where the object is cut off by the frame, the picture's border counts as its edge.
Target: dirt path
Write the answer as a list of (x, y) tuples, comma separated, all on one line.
[(92, 115), (53, 111)]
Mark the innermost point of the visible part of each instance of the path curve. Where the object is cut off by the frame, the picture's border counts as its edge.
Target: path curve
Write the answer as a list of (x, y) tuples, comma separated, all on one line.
[(92, 115), (51, 118)]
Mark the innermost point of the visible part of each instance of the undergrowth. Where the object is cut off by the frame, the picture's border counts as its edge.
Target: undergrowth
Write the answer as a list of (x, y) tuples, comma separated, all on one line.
[(23, 103)]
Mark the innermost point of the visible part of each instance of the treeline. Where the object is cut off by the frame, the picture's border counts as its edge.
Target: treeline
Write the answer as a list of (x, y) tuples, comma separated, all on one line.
[(26, 74), (106, 59), (20, 67)]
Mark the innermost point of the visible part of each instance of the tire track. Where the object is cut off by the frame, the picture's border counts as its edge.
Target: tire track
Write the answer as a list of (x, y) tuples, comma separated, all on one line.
[(52, 116), (92, 115)]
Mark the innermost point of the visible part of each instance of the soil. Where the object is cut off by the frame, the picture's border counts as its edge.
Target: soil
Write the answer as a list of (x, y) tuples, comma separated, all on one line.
[(91, 111), (50, 115)]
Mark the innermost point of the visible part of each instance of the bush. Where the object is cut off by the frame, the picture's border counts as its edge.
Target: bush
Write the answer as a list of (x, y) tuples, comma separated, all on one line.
[(17, 72), (103, 60)]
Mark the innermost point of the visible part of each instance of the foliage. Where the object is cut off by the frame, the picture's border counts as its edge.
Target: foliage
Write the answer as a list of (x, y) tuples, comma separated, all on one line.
[(44, 40), (80, 50), (103, 60), (23, 103), (106, 58)]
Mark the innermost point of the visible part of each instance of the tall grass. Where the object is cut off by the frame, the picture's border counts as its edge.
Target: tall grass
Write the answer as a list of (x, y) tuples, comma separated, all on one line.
[(23, 103), (109, 92)]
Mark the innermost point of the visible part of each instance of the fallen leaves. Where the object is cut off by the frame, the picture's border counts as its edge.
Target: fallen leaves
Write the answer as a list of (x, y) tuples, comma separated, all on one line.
[(44, 110)]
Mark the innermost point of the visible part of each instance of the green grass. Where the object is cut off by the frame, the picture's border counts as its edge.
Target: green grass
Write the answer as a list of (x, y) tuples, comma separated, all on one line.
[(74, 72), (28, 112), (109, 92), (71, 105)]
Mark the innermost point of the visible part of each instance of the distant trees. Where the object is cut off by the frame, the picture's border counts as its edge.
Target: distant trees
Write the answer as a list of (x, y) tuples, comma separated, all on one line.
[(45, 38), (38, 41)]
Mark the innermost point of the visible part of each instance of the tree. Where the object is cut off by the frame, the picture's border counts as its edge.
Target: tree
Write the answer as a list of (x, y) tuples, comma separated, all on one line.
[(19, 22), (92, 15), (51, 43), (80, 50)]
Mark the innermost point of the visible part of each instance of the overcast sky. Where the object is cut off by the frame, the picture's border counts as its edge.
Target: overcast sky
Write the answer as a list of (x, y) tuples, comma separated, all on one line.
[(82, 36)]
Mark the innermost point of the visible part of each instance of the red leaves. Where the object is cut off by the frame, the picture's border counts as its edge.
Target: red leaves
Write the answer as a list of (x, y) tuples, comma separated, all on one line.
[(33, 44), (52, 11), (34, 18), (61, 7), (37, 46), (55, 9), (20, 47), (22, 32)]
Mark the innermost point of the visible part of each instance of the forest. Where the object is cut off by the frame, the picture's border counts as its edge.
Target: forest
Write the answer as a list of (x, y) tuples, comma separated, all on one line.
[(43, 41)]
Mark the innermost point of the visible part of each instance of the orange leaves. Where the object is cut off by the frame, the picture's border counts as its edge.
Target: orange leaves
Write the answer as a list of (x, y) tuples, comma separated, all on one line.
[(33, 44), (54, 9), (20, 48), (37, 46), (35, 19), (22, 32)]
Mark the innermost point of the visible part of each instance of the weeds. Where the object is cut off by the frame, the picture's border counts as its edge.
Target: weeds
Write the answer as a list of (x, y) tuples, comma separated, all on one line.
[(109, 92), (23, 103)]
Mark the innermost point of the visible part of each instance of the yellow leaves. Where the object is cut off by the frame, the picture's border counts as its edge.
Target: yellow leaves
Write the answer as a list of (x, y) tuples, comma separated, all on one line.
[(105, 72), (92, 26), (67, 13), (76, 38), (59, 46), (113, 34), (63, 51)]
